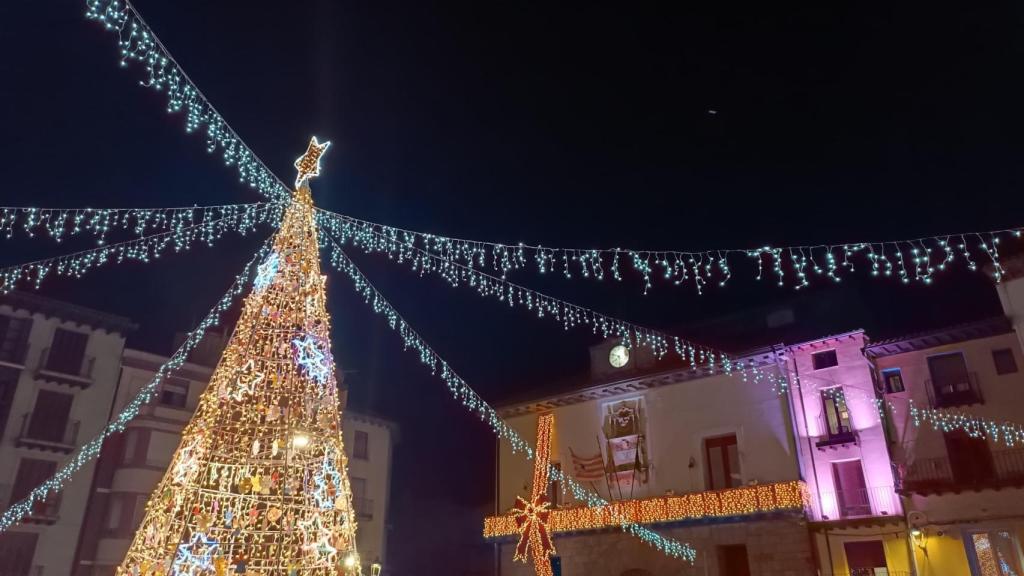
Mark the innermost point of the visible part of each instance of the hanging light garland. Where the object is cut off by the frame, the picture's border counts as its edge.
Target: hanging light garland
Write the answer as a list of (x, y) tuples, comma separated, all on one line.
[(915, 260), (59, 224), (472, 401), (138, 44), (91, 449), (567, 314), (143, 249)]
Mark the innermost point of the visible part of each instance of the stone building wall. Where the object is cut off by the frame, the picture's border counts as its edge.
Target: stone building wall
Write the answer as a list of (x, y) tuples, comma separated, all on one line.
[(775, 547)]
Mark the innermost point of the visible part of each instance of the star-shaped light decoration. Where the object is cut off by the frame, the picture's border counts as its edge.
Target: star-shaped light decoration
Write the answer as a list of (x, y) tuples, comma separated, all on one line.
[(311, 358), (308, 164), (532, 515), (195, 556), (247, 382), (266, 271), (326, 478)]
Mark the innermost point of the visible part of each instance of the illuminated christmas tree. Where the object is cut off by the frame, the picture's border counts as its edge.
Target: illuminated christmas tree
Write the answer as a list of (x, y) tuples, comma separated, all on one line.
[(258, 484)]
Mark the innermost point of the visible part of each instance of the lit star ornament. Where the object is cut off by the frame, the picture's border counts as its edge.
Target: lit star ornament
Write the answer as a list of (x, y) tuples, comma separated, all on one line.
[(308, 164), (311, 358), (195, 556), (266, 271)]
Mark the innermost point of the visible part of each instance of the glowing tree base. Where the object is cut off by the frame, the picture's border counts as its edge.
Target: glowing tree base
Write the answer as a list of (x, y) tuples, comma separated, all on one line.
[(259, 482)]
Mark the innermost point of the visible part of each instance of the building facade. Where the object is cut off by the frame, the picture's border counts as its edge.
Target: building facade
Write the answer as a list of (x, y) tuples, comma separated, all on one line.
[(964, 494), (132, 464), (855, 515), (718, 450), (59, 366)]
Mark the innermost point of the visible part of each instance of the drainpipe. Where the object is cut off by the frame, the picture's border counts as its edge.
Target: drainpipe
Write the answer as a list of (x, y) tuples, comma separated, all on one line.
[(810, 449), (497, 505)]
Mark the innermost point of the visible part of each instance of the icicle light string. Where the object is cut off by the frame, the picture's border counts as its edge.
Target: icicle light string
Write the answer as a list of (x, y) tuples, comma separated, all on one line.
[(138, 43), (91, 449), (141, 249), (61, 223), (471, 400), (567, 314), (915, 260)]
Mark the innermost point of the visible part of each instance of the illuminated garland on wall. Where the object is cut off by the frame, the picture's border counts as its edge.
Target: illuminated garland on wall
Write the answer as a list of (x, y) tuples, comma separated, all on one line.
[(141, 249), (138, 43), (915, 260), (543, 306), (91, 449), (472, 401), (732, 502), (60, 224)]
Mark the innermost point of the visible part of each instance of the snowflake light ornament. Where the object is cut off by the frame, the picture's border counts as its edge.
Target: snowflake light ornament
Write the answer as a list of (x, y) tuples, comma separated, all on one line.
[(266, 271), (311, 358)]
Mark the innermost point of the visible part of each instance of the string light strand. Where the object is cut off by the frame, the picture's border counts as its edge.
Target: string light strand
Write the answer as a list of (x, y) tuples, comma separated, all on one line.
[(138, 43), (143, 249), (914, 260)]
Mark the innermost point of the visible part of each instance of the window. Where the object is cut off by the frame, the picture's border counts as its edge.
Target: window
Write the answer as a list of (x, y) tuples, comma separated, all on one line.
[(555, 487), (114, 512), (866, 558), (851, 490), (128, 449), (723, 462), (67, 352), (361, 448), (8, 384), (362, 505), (733, 561), (50, 417), (1004, 361), (837, 415), (32, 473), (17, 550), (994, 553), (14, 338), (826, 359), (893, 379), (174, 392), (951, 384), (970, 459)]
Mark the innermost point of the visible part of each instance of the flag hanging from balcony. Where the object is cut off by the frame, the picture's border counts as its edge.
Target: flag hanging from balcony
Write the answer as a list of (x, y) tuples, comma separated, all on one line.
[(587, 468)]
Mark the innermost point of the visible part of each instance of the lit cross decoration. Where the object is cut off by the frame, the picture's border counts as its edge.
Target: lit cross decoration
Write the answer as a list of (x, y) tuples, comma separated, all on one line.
[(266, 271), (308, 164), (315, 364), (532, 516), (195, 556)]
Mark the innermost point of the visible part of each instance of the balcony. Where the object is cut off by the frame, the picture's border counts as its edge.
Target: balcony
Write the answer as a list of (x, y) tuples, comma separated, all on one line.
[(57, 370), (363, 508), (30, 571), (841, 435), (878, 501), (951, 394), (938, 475), (53, 438), (713, 505), (44, 512)]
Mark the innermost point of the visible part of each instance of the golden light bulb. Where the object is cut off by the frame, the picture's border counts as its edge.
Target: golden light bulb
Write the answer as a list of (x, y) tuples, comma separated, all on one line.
[(300, 441)]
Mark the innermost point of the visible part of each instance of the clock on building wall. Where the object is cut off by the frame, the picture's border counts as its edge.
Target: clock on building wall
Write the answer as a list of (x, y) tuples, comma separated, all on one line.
[(618, 356)]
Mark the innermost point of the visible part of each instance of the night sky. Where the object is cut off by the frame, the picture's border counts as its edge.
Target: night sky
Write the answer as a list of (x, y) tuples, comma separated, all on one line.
[(563, 125)]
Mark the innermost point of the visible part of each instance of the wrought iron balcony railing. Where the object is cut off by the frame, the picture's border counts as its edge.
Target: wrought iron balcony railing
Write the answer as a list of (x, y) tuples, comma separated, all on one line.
[(957, 392), (855, 503), (1005, 468), (73, 373)]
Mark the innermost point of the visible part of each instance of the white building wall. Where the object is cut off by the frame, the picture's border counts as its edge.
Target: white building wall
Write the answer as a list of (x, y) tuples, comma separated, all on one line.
[(679, 417), (90, 407)]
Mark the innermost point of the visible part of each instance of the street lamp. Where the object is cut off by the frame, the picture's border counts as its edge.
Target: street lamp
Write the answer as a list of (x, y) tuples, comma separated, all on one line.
[(375, 569)]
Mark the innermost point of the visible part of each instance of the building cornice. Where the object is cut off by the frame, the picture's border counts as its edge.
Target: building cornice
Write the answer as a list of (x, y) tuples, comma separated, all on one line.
[(35, 303), (949, 335), (636, 383)]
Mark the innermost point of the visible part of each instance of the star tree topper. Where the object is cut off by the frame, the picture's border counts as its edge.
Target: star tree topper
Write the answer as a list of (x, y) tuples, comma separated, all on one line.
[(308, 164), (532, 515)]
